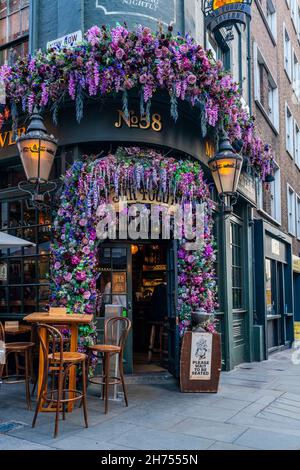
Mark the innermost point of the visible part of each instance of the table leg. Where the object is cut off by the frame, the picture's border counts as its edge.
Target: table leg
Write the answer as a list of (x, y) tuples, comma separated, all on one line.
[(73, 348), (44, 337)]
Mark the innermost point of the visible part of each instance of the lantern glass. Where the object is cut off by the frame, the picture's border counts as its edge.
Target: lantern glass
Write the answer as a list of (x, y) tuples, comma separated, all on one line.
[(226, 172), (37, 157)]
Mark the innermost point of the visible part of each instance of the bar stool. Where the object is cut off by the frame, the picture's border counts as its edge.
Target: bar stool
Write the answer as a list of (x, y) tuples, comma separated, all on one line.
[(59, 362), (23, 349), (116, 330)]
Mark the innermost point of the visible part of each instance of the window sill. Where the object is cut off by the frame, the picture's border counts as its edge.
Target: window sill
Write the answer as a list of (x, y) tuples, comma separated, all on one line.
[(269, 217), (15, 42), (265, 114)]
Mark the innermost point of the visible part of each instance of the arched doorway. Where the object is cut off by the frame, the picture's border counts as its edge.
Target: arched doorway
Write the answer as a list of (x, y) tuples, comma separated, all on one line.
[(146, 177)]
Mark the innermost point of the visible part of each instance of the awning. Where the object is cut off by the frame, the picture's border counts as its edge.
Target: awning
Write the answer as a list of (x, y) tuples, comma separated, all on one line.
[(8, 241)]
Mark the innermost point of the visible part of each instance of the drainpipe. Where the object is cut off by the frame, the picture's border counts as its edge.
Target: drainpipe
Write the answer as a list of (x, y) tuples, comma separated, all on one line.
[(33, 26), (249, 59)]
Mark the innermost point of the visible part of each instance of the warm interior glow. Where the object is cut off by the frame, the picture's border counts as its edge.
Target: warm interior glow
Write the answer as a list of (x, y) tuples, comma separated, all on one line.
[(134, 249)]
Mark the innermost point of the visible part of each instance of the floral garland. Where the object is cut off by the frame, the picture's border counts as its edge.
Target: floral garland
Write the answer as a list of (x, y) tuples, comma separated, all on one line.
[(74, 262), (118, 60)]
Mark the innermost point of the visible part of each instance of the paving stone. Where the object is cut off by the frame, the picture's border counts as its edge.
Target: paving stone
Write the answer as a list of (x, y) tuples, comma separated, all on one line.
[(148, 439), (209, 429), (226, 446), (259, 439), (12, 443)]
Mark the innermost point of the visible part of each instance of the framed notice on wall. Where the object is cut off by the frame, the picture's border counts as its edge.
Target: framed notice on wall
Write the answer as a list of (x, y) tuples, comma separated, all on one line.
[(119, 283), (201, 356)]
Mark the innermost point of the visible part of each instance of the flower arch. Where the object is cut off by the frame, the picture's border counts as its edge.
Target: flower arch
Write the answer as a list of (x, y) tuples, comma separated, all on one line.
[(74, 261), (112, 61)]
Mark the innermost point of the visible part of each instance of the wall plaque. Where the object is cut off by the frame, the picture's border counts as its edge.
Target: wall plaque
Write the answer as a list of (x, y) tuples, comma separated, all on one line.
[(119, 283), (221, 13), (157, 10), (201, 356)]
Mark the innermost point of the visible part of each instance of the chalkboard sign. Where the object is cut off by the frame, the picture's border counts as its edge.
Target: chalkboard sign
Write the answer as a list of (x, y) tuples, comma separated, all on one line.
[(157, 10)]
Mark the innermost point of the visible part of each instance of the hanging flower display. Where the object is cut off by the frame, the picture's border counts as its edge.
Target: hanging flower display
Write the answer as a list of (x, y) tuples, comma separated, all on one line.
[(117, 61), (87, 186)]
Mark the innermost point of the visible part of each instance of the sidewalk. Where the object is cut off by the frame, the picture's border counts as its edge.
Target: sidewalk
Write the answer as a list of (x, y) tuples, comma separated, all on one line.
[(258, 407)]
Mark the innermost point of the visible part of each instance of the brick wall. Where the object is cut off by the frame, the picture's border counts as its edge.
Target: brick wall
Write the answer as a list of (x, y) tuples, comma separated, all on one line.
[(273, 52)]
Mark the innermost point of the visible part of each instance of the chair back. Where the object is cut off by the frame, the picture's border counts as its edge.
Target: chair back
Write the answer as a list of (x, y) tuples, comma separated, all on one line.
[(2, 333), (55, 337), (116, 330)]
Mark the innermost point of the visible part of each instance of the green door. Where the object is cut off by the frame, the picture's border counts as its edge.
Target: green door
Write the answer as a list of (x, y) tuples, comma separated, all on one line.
[(239, 310)]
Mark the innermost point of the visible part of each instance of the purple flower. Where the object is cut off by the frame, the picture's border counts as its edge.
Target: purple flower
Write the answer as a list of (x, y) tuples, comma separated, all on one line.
[(75, 260), (81, 276), (87, 295), (83, 222)]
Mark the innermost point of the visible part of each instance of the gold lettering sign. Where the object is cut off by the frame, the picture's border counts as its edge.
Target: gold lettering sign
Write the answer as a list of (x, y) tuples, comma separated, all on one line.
[(139, 122), (8, 138)]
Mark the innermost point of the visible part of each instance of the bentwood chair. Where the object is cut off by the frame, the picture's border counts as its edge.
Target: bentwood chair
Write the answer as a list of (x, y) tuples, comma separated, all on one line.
[(116, 330), (18, 349), (59, 363)]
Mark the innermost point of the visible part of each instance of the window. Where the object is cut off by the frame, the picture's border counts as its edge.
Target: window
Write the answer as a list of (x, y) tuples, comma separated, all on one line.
[(14, 26), (287, 53), (294, 12), (297, 145), (296, 76), (298, 216), (237, 266), (291, 211), (265, 88), (25, 287), (269, 197), (271, 17), (289, 132)]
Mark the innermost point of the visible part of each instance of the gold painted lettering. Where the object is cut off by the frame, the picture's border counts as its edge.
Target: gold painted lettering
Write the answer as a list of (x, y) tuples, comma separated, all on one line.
[(3, 138), (122, 118), (144, 123), (156, 122)]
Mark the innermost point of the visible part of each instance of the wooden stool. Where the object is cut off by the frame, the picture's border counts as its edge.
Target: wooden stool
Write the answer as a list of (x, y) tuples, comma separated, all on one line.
[(156, 327), (116, 330), (60, 363), (24, 349)]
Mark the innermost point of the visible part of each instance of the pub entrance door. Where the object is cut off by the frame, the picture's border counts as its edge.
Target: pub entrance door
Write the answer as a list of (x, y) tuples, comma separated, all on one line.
[(131, 276)]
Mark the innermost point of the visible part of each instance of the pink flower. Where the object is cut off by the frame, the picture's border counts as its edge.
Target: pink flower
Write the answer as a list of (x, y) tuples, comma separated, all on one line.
[(86, 250), (57, 265), (75, 260), (120, 54), (83, 222), (192, 79), (68, 277), (87, 295)]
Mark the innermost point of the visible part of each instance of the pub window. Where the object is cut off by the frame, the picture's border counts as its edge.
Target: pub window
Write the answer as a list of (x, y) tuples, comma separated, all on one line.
[(14, 28), (275, 282), (24, 283), (236, 266)]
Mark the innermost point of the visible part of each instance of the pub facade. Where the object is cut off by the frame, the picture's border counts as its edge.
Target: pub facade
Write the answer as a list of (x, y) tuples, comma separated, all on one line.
[(131, 270)]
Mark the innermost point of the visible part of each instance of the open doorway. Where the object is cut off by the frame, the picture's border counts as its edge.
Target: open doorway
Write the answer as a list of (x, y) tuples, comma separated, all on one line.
[(150, 309)]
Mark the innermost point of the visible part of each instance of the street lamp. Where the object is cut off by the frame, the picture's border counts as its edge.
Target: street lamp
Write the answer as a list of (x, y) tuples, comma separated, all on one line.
[(37, 151), (226, 169)]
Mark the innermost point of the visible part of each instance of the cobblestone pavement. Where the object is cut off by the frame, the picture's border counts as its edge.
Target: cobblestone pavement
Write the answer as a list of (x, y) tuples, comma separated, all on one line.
[(257, 407)]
